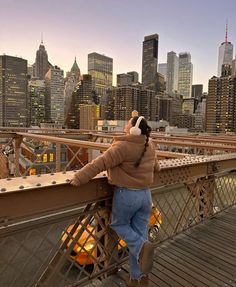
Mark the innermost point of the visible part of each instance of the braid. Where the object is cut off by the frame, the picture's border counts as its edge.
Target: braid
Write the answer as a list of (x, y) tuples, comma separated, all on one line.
[(137, 163)]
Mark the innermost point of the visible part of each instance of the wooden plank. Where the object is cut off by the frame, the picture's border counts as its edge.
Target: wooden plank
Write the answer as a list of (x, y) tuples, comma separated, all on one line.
[(229, 220), (194, 269), (211, 249), (114, 281), (222, 238), (212, 269), (210, 254), (186, 275), (224, 230), (201, 259), (226, 223), (178, 273), (123, 275), (210, 237), (229, 213), (96, 283), (154, 279), (208, 259), (224, 248), (165, 275)]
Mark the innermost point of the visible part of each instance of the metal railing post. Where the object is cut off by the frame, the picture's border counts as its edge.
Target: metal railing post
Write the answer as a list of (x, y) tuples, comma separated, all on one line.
[(58, 157)]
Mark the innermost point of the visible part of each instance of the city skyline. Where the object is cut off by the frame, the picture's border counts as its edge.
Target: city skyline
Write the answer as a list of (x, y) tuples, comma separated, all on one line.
[(77, 28)]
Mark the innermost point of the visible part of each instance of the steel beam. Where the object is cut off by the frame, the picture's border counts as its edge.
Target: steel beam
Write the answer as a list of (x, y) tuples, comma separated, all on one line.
[(31, 196)]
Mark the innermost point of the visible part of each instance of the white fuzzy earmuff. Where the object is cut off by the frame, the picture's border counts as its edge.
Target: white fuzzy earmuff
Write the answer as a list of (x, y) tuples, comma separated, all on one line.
[(136, 130)]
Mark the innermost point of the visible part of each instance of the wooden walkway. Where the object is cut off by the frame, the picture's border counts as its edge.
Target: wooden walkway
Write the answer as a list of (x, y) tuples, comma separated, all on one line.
[(204, 256)]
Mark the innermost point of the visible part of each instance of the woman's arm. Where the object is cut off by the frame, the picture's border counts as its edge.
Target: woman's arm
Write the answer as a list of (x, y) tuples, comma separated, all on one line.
[(112, 157)]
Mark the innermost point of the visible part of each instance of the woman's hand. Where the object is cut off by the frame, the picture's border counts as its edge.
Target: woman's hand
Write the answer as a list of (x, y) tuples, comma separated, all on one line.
[(75, 181)]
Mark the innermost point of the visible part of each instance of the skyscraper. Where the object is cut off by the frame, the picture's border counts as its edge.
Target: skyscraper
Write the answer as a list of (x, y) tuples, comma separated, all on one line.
[(110, 105), (185, 75), (82, 95), (100, 67), (150, 60), (54, 80), (36, 102), (89, 115), (172, 73), (162, 69), (148, 104), (134, 97), (134, 76), (41, 65), (225, 53), (160, 84), (221, 105), (123, 79), (72, 79), (127, 99), (169, 107), (127, 79), (13, 91), (197, 91), (234, 67)]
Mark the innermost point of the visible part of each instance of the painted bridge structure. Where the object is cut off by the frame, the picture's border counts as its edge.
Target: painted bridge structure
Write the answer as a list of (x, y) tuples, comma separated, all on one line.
[(55, 234)]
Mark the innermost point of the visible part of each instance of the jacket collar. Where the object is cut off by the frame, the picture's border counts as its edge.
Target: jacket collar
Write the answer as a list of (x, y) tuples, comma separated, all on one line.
[(131, 138)]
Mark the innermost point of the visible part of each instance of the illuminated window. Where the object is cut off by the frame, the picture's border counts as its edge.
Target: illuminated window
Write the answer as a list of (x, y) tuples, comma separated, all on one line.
[(51, 157), (38, 157), (45, 157), (32, 171)]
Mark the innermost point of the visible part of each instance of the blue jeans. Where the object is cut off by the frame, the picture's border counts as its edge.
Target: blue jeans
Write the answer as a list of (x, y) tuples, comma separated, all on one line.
[(131, 210)]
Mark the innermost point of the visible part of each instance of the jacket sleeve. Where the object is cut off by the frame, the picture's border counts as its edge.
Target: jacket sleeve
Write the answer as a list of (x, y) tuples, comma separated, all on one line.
[(156, 161), (112, 157), (156, 165)]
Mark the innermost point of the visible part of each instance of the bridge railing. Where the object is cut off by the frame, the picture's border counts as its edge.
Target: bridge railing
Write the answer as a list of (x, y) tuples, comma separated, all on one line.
[(54, 234), (35, 153), (38, 152), (42, 150)]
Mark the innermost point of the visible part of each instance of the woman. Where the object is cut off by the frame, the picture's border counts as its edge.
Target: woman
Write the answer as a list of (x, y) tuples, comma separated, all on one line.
[(130, 162)]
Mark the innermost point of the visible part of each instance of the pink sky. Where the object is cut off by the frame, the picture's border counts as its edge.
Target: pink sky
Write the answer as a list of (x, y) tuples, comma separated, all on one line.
[(117, 28)]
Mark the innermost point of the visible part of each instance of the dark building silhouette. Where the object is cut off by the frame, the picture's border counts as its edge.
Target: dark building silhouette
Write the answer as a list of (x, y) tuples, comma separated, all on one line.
[(197, 91), (129, 78), (81, 96), (71, 80), (149, 61), (13, 91), (41, 65)]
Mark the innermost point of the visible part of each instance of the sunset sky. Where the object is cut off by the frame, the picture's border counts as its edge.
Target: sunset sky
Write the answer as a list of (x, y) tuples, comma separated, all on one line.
[(116, 28)]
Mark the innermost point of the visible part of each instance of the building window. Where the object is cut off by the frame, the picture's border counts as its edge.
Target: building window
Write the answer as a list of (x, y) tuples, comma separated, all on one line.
[(38, 158), (45, 157), (51, 157)]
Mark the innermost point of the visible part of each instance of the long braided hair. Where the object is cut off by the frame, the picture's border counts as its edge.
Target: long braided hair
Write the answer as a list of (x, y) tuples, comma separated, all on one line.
[(145, 130)]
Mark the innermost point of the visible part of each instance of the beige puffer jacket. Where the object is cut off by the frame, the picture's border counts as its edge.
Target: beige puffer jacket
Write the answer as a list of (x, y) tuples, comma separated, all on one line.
[(119, 161)]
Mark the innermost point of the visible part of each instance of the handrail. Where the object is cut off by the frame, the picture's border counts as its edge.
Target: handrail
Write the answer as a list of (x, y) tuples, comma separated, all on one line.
[(45, 213), (59, 194)]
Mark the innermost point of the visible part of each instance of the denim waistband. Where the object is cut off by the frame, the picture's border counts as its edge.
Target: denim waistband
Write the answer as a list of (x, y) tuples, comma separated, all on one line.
[(131, 188)]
